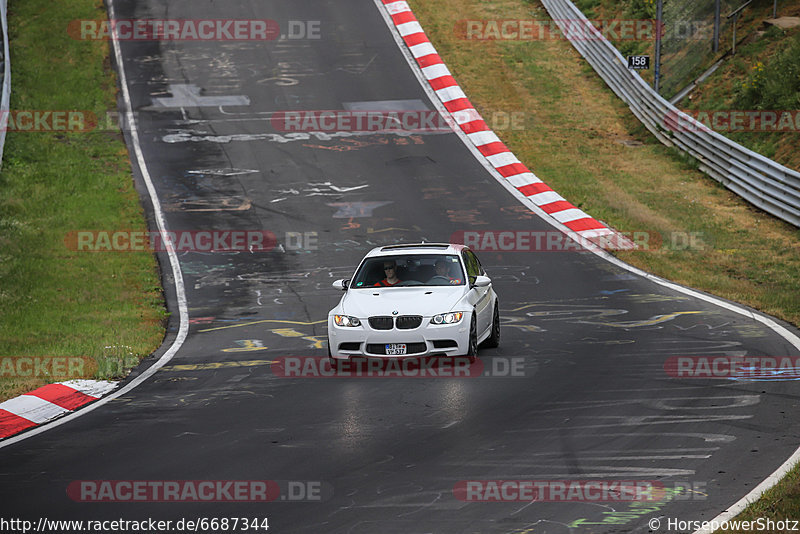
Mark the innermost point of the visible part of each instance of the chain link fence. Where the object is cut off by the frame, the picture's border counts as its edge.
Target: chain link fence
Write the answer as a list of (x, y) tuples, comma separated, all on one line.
[(687, 46), (688, 35)]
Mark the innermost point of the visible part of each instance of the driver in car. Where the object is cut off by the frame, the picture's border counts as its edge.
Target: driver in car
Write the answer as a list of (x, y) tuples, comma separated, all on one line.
[(443, 271), (390, 270)]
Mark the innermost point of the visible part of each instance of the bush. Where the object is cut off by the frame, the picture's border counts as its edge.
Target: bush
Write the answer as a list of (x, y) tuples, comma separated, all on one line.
[(641, 9), (775, 85)]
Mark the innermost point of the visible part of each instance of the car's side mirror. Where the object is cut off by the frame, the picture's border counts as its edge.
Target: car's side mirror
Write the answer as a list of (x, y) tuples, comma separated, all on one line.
[(482, 281), (341, 284)]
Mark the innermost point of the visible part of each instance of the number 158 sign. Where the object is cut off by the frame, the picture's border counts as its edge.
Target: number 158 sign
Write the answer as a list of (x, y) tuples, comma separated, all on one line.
[(639, 62)]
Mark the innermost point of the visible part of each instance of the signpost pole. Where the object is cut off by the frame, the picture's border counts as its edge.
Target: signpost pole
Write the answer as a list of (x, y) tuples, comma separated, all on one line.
[(716, 26), (659, 26)]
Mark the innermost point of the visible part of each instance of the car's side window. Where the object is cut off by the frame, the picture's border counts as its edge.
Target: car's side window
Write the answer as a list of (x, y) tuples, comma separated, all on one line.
[(478, 262), (472, 265)]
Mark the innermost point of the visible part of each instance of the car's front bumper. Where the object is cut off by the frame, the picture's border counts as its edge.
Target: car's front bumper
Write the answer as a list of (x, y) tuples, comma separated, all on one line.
[(425, 340)]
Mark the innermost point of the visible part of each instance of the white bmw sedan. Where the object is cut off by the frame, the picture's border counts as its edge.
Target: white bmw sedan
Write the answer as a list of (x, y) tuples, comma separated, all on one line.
[(415, 300)]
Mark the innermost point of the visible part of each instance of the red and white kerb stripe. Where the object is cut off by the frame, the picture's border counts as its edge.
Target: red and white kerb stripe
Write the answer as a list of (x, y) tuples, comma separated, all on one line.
[(48, 402), (476, 129)]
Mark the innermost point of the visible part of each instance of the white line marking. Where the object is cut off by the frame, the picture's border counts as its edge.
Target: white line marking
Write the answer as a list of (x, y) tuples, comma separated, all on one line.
[(466, 115), (572, 214), (523, 178), (409, 28), (423, 49), (173, 260), (483, 138), (502, 159), (93, 388), (398, 7), (448, 94), (436, 71), (188, 96), (546, 198)]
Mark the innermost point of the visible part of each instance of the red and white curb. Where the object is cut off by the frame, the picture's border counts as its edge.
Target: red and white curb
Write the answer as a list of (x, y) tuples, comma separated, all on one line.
[(478, 132), (48, 402)]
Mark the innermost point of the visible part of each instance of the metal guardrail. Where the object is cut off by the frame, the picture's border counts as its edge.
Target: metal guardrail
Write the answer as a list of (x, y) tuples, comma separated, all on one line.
[(759, 180), (5, 97)]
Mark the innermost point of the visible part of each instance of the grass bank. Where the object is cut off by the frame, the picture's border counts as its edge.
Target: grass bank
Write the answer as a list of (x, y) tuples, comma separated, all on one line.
[(778, 504), (763, 75), (105, 309)]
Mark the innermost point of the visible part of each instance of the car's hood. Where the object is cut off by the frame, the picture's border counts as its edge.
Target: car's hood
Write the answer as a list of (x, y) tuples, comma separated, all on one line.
[(425, 301)]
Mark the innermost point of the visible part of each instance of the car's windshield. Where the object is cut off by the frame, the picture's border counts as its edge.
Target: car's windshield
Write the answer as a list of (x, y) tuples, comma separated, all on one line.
[(410, 270)]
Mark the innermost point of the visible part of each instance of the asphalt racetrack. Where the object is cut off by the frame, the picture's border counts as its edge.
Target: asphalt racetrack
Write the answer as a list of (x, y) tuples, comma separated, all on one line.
[(588, 398)]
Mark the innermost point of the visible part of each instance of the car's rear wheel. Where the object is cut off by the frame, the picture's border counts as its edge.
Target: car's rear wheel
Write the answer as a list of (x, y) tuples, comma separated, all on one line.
[(493, 340)]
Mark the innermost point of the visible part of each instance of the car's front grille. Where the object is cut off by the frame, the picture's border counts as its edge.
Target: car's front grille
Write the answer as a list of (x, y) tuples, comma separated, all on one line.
[(411, 348), (407, 322), (381, 323)]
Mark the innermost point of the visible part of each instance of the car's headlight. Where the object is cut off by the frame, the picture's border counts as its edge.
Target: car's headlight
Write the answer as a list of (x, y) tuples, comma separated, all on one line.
[(447, 318), (346, 320)]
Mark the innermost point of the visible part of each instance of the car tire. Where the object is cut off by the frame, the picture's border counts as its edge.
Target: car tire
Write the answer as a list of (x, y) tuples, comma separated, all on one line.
[(493, 341), (331, 360), (472, 347)]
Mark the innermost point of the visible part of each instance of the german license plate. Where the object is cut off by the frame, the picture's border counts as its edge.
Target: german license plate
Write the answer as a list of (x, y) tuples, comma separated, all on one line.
[(395, 349)]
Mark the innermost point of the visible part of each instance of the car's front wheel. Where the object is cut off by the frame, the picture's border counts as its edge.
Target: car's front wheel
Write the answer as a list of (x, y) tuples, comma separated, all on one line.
[(472, 346), (493, 340), (333, 361)]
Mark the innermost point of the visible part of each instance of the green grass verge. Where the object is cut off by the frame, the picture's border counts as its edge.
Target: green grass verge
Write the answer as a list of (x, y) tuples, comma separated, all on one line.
[(583, 141), (780, 503), (54, 302)]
